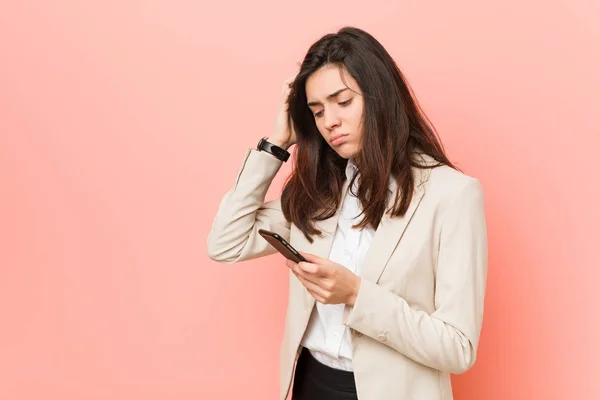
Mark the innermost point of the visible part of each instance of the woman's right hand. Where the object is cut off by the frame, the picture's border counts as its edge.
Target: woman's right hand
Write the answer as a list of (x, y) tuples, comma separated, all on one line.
[(284, 135)]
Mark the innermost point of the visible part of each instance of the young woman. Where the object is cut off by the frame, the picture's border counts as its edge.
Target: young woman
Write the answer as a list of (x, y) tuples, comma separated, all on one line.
[(390, 302)]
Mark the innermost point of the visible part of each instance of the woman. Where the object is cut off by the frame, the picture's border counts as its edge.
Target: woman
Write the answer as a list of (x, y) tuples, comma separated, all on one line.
[(390, 302)]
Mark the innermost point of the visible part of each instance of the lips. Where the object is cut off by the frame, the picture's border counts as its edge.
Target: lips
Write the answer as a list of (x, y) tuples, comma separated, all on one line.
[(338, 139)]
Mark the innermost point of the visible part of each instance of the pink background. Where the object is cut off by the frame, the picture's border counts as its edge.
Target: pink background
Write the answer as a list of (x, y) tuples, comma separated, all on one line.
[(122, 123)]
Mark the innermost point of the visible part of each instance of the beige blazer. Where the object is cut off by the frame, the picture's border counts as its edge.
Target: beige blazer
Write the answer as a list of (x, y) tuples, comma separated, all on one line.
[(418, 313)]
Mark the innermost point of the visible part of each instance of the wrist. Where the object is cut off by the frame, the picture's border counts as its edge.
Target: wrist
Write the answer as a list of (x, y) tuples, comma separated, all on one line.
[(280, 143), (354, 294), (273, 147)]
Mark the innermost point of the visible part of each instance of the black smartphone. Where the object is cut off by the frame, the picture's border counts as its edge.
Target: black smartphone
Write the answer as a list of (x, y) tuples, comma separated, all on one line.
[(282, 246)]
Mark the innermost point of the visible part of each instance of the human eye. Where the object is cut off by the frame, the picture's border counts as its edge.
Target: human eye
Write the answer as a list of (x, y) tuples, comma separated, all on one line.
[(345, 103), (318, 114)]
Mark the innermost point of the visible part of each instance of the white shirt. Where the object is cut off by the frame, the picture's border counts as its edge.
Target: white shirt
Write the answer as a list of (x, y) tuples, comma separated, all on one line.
[(326, 336)]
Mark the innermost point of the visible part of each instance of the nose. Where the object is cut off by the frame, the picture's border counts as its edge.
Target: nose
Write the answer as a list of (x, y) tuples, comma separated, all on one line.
[(332, 120)]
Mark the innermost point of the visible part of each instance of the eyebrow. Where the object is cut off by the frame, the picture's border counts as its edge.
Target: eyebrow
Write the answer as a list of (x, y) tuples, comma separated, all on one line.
[(334, 94)]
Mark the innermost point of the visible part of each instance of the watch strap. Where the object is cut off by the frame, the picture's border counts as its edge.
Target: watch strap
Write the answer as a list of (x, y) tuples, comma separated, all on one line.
[(278, 152)]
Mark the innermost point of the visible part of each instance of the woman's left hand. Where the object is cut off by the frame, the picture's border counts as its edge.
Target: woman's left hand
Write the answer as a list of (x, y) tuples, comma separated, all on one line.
[(326, 281)]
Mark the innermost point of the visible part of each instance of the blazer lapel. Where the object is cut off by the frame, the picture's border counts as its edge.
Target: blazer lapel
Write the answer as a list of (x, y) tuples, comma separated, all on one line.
[(390, 231)]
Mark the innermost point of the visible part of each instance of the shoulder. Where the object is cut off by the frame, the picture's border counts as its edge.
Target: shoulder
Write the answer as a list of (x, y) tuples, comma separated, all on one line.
[(442, 179), (449, 180), (448, 187)]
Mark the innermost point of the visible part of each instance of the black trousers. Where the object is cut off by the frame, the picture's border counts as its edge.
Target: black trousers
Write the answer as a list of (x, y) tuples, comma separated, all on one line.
[(316, 381)]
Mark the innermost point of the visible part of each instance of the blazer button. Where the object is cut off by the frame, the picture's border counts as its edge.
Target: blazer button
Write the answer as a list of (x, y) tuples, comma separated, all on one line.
[(382, 337)]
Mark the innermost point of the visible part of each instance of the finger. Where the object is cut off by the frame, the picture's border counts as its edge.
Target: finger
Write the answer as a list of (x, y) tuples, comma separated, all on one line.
[(306, 275), (309, 268), (324, 264), (287, 84), (313, 287), (313, 258), (318, 298), (320, 270)]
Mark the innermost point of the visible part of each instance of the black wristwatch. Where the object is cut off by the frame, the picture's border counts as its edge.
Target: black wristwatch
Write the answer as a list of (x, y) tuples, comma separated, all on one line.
[(278, 152)]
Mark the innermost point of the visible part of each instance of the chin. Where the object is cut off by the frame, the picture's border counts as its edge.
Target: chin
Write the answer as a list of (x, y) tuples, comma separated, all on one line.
[(346, 151)]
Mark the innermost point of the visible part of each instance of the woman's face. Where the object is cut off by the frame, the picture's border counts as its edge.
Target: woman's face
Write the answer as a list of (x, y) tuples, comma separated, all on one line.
[(337, 108)]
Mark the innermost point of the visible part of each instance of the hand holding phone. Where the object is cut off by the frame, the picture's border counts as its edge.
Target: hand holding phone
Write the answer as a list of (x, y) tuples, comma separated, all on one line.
[(282, 246)]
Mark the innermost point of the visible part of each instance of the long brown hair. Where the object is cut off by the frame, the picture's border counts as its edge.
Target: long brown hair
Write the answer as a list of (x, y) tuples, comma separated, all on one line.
[(394, 130)]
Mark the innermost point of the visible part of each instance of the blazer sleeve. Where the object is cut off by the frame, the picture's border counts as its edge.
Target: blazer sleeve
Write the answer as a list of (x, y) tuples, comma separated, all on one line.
[(242, 212), (446, 339)]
